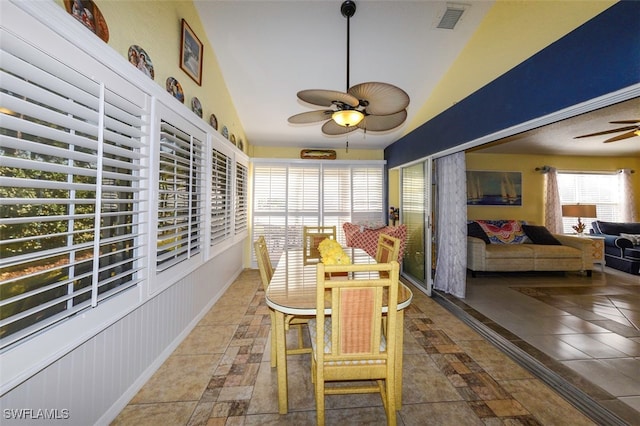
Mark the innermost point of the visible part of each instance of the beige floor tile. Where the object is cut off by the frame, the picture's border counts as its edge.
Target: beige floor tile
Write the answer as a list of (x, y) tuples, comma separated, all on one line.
[(206, 339), (440, 414), (180, 378), (174, 413)]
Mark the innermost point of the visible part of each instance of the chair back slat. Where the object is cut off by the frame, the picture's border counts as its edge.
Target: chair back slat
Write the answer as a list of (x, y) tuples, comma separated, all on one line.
[(264, 261), (388, 248), (311, 237)]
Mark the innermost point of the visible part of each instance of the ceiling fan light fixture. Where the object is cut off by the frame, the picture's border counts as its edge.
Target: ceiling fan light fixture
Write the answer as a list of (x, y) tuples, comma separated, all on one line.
[(347, 117)]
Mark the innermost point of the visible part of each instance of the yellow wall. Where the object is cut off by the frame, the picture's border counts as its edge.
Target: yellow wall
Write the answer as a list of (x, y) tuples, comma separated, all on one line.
[(532, 209), (155, 26), (291, 152)]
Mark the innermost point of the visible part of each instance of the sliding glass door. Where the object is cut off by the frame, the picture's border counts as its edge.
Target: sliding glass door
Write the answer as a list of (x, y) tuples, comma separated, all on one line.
[(415, 213)]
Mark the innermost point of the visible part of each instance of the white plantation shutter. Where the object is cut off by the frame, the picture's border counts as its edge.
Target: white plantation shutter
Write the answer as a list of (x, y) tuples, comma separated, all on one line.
[(70, 230), (220, 197), (241, 206), (600, 189), (290, 195), (180, 204)]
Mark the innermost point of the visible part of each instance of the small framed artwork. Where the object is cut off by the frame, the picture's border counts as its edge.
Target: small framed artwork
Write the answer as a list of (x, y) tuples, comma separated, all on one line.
[(191, 53), (318, 154), (494, 188)]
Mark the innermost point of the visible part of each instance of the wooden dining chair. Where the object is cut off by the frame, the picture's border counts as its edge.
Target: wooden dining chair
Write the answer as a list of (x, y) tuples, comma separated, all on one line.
[(266, 273), (350, 344), (311, 237), (388, 249)]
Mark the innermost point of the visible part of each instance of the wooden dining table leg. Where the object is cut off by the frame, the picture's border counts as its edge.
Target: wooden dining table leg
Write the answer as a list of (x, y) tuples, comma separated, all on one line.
[(399, 352), (281, 363)]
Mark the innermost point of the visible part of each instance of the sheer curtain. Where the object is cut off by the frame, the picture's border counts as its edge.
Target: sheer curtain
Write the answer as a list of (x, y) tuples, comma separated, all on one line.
[(553, 208), (451, 265), (628, 211)]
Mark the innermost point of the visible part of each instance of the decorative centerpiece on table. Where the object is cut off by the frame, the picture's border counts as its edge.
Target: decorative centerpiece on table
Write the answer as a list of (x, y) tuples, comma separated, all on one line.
[(331, 253)]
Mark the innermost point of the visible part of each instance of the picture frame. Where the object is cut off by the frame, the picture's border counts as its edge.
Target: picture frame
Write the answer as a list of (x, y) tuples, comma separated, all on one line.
[(191, 50), (318, 154), (494, 188)]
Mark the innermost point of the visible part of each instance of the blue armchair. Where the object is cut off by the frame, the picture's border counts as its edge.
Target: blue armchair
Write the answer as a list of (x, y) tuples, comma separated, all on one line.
[(620, 252)]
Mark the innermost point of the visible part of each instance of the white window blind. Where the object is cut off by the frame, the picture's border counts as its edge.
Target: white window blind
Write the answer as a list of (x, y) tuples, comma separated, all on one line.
[(220, 197), (241, 206), (600, 189), (288, 196), (70, 230), (180, 204)]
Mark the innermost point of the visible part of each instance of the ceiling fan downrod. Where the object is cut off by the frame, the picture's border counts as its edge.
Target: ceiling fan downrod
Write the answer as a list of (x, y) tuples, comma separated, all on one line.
[(348, 9)]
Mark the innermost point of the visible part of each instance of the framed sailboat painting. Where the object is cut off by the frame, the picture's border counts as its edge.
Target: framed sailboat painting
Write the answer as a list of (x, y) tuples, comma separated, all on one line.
[(494, 188)]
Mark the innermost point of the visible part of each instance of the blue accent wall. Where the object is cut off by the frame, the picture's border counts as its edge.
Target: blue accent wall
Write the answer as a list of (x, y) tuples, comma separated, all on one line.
[(597, 58)]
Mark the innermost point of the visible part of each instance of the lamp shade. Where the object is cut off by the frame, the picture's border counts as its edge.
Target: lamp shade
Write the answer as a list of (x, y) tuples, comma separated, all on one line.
[(579, 210), (347, 117)]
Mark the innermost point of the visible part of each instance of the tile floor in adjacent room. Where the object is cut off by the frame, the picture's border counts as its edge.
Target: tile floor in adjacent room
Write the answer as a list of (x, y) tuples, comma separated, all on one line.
[(221, 375), (586, 329)]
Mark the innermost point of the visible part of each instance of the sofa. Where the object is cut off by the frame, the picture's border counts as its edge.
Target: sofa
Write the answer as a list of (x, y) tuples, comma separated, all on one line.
[(621, 244), (514, 245)]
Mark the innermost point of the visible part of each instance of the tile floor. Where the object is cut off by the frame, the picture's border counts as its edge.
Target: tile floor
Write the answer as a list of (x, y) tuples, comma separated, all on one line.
[(221, 375), (585, 329)]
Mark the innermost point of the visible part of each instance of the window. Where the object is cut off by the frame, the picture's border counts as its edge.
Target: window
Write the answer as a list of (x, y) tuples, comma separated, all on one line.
[(180, 207), (600, 189), (220, 197), (69, 184), (290, 195)]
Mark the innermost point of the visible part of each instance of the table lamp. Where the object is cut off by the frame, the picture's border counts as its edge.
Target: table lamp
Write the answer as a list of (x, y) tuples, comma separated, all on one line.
[(579, 211)]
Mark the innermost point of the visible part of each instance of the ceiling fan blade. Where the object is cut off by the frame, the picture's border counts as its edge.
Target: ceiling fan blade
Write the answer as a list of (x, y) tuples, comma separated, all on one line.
[(622, 136), (310, 117), (331, 128), (381, 98), (380, 123), (327, 98), (625, 122), (606, 132)]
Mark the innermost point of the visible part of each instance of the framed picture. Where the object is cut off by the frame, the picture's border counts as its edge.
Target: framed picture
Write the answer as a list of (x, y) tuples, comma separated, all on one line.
[(494, 188), (318, 154), (191, 53)]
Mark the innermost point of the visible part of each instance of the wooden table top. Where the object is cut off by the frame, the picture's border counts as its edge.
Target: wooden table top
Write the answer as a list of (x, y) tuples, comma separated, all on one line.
[(293, 287)]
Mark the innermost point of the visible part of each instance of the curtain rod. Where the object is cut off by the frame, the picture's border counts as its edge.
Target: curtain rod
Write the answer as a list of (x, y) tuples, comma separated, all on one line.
[(547, 169)]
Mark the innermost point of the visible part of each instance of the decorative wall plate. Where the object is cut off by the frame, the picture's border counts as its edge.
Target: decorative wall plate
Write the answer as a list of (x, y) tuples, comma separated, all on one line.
[(174, 87), (213, 121), (141, 60), (89, 15), (196, 106), (241, 145), (233, 138), (225, 132)]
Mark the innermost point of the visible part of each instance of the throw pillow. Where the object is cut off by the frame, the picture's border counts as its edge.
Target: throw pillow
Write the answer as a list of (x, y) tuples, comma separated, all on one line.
[(635, 239), (475, 230), (540, 235), (503, 231)]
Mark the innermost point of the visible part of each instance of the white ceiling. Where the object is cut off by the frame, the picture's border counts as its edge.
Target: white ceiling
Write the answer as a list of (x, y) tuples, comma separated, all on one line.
[(268, 50)]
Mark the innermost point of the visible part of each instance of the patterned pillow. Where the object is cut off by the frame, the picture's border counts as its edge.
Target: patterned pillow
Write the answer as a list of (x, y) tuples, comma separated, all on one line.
[(503, 231), (635, 239)]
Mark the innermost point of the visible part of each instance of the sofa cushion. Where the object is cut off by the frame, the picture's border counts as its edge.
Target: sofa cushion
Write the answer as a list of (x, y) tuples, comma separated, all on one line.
[(475, 230), (615, 228), (540, 235), (508, 251), (555, 252), (503, 231)]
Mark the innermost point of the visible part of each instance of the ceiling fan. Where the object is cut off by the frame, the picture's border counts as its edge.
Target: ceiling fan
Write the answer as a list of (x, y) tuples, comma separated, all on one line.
[(630, 131), (371, 106)]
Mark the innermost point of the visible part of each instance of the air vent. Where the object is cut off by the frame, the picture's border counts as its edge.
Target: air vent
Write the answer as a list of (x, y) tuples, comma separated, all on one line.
[(451, 16)]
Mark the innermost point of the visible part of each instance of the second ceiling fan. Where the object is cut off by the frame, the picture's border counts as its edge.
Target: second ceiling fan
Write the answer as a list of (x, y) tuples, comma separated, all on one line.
[(371, 106)]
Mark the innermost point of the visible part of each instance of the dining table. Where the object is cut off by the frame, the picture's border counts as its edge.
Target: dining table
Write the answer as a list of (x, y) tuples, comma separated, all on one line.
[(292, 291)]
